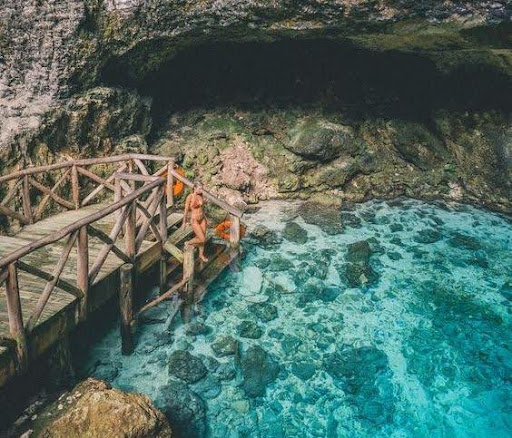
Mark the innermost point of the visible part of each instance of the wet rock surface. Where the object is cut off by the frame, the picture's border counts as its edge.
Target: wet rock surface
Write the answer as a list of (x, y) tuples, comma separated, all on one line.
[(94, 409)]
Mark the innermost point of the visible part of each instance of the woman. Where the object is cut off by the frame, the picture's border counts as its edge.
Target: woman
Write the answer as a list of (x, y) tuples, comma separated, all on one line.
[(194, 203)]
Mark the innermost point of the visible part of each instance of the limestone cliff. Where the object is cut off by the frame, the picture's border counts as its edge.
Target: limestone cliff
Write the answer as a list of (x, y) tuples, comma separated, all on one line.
[(55, 54)]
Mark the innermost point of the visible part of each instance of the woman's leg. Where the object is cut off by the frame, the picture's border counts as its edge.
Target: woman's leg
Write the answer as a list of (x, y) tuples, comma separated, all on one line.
[(199, 240)]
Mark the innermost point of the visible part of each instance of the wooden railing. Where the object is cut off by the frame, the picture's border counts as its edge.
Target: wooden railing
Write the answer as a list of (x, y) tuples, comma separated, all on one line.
[(138, 211)]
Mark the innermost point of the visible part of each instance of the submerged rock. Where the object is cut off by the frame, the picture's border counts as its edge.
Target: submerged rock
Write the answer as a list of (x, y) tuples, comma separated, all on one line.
[(198, 328), (464, 241), (249, 329), (295, 233), (96, 410), (225, 346), (365, 377), (264, 237), (328, 219), (358, 271), (252, 280), (303, 370), (428, 235), (264, 311), (186, 366), (259, 369), (184, 409)]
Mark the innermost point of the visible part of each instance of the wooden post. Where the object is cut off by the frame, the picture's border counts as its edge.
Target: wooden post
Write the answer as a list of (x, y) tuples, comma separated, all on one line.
[(16, 328), (170, 183), (82, 272), (234, 232), (75, 187), (126, 308), (162, 274), (117, 193), (130, 231), (188, 273), (163, 218), (163, 235), (27, 209)]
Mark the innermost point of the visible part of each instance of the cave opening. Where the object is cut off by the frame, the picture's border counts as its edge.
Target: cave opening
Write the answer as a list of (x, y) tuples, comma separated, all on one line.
[(329, 74)]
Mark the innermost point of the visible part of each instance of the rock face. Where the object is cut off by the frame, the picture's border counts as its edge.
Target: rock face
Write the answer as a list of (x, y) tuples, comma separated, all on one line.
[(94, 409), (378, 100)]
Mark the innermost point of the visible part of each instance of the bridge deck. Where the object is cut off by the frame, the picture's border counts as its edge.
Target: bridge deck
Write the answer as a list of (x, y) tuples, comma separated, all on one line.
[(58, 313), (46, 258)]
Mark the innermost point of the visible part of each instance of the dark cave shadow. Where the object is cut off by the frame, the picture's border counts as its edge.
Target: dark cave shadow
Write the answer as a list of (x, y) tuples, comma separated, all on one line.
[(319, 73)]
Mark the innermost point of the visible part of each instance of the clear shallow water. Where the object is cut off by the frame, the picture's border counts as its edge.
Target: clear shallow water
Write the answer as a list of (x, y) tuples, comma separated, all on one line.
[(422, 347)]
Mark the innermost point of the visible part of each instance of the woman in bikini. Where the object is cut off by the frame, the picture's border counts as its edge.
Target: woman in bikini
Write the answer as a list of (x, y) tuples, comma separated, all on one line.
[(194, 203)]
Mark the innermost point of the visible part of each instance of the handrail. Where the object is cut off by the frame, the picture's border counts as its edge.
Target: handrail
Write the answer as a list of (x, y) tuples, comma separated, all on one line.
[(115, 159), (75, 226), (82, 162)]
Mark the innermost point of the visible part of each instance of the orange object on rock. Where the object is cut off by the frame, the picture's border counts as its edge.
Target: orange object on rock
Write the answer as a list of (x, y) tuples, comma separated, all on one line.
[(223, 228)]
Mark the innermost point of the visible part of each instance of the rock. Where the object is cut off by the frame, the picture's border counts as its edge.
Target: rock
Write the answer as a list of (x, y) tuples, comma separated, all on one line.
[(263, 236), (279, 263), (258, 369), (460, 240), (295, 233), (359, 252), (303, 370), (328, 219), (184, 409), (96, 410), (396, 227), (187, 367), (264, 311), (225, 371), (196, 328), (358, 271), (360, 275), (321, 140), (225, 346), (249, 329), (427, 236), (209, 388), (365, 377), (241, 406), (252, 280)]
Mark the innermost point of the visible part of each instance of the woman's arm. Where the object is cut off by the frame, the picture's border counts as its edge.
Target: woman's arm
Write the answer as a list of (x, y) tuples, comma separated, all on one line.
[(187, 206)]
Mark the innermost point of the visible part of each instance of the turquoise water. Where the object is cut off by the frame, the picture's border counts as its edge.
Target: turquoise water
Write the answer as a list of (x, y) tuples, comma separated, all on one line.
[(396, 323)]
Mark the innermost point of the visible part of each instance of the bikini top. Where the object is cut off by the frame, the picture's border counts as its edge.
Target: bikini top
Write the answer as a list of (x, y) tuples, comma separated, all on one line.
[(195, 202)]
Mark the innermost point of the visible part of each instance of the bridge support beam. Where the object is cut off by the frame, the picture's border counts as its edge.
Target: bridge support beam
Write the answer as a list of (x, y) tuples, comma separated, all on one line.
[(126, 308)]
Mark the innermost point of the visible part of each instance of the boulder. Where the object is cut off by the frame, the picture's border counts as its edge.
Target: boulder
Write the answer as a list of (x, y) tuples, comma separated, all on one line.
[(259, 369), (252, 280), (186, 366), (264, 311), (358, 270), (263, 236), (321, 140), (295, 233), (184, 409), (225, 346), (249, 329), (95, 410)]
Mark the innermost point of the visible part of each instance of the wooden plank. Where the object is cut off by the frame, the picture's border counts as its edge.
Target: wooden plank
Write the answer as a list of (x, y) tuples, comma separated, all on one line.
[(174, 251)]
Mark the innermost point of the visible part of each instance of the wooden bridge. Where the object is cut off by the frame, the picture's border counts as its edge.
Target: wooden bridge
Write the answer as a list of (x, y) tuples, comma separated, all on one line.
[(79, 232)]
